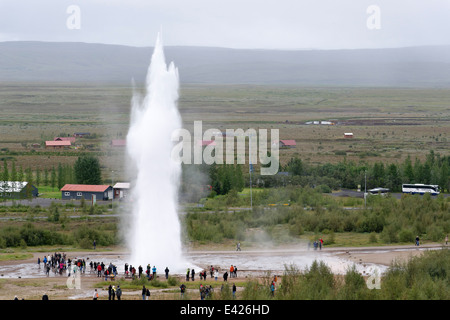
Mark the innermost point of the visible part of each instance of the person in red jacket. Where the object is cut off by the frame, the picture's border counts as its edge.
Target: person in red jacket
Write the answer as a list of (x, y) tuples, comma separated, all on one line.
[(99, 270)]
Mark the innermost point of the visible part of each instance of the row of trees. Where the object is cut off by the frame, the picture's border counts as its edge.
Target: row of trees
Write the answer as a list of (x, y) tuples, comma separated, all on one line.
[(224, 178), (86, 170), (348, 174), (435, 169)]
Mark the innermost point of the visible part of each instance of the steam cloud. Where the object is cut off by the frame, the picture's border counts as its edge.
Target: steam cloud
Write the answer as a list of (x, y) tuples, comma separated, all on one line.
[(154, 236)]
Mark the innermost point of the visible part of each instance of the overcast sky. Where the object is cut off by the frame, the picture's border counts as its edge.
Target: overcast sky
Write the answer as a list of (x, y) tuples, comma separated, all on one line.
[(263, 24)]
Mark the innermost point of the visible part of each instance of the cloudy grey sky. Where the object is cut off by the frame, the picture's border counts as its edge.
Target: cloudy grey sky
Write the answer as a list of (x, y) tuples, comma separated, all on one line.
[(264, 24)]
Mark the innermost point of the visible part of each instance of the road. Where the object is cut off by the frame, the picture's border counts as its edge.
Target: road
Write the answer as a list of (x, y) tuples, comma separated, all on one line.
[(45, 202), (360, 194)]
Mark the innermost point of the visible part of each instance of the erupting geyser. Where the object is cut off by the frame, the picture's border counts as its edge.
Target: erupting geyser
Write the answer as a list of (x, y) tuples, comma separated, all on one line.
[(154, 235)]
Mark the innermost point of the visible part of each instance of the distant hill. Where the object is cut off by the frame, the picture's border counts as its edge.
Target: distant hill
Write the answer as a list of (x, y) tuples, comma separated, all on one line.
[(83, 62)]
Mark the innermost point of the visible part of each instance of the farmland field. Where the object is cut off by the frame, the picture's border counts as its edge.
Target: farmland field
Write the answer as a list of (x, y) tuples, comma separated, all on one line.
[(388, 123)]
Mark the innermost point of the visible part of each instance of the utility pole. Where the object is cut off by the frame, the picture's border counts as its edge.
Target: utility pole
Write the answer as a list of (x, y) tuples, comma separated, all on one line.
[(112, 185), (250, 169), (365, 188)]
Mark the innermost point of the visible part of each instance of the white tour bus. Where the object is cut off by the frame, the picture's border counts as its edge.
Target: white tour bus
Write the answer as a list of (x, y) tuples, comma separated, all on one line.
[(418, 188)]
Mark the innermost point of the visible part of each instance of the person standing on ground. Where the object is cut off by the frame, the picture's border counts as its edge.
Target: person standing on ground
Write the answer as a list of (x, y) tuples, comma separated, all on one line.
[(113, 291), (201, 291), (154, 272), (193, 274), (95, 297), (99, 270), (110, 292), (238, 246), (234, 291), (216, 274), (144, 292), (167, 272), (225, 276), (417, 241), (118, 292), (182, 290)]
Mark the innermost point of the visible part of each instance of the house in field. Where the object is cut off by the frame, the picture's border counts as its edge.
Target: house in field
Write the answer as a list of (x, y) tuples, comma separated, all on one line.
[(17, 190), (121, 190), (118, 143), (205, 143), (348, 135), (287, 143), (71, 139), (86, 191), (81, 134), (58, 144)]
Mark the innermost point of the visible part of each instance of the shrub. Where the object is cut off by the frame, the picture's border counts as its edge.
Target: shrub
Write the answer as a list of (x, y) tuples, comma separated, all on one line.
[(389, 234), (424, 277), (85, 243), (319, 282), (373, 237), (435, 233), (406, 235), (354, 287), (173, 281), (323, 188)]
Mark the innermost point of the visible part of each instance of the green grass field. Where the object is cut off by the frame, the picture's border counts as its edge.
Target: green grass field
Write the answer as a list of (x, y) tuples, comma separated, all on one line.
[(388, 123), (49, 193)]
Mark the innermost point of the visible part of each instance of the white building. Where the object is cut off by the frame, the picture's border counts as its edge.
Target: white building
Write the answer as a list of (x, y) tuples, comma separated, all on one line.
[(121, 190)]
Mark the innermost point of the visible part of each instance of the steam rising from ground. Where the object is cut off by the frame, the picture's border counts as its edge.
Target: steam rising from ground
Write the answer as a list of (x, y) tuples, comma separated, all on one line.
[(154, 235)]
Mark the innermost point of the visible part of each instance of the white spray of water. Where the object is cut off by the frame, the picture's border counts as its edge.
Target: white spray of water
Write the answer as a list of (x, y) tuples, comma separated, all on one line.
[(154, 237)]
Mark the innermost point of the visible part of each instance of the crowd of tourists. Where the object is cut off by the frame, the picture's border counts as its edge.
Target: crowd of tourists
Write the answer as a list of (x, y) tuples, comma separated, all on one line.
[(59, 263)]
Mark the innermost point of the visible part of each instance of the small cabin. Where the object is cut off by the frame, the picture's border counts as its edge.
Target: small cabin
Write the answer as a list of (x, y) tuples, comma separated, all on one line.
[(288, 143), (58, 144), (81, 134), (121, 190), (87, 192), (118, 143)]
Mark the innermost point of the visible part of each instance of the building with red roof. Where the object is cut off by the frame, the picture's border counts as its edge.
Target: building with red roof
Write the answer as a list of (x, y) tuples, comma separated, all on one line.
[(118, 143), (59, 144), (288, 143), (71, 139), (207, 143), (86, 191)]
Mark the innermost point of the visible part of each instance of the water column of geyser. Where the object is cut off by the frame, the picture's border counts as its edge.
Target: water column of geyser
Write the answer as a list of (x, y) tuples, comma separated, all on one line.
[(154, 235)]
